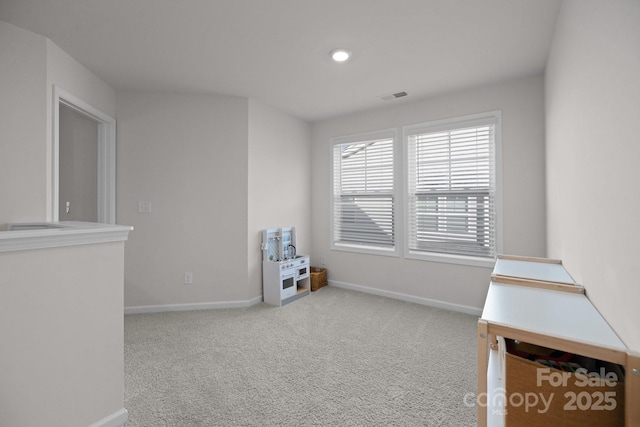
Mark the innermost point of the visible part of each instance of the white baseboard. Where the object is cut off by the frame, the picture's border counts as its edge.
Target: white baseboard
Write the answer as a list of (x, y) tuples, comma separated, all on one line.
[(193, 306), (117, 419), (256, 300), (409, 298)]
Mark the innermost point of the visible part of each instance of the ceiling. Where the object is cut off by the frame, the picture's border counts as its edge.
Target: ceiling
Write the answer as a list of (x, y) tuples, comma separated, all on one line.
[(277, 51)]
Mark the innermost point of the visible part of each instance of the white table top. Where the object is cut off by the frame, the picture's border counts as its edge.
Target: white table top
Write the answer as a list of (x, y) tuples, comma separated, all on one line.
[(565, 315), (533, 270)]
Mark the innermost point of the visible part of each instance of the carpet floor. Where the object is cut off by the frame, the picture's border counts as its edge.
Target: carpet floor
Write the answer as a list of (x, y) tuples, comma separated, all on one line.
[(333, 358)]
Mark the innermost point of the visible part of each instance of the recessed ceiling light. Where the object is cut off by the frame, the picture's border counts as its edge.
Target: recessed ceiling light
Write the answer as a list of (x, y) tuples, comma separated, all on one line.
[(340, 55)]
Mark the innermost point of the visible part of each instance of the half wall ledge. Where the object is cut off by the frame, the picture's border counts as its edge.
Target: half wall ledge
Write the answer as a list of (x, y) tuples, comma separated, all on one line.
[(40, 235)]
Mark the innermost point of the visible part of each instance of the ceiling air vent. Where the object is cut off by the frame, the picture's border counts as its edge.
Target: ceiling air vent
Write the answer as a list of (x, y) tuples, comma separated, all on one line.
[(391, 96)]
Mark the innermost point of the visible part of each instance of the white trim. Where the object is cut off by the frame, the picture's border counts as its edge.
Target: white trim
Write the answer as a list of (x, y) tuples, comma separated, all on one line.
[(499, 183), (409, 298), (389, 133), (42, 235), (450, 123), (140, 309), (106, 191), (117, 419)]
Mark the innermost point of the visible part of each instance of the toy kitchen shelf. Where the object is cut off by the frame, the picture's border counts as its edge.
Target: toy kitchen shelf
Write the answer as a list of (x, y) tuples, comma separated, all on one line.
[(535, 300), (285, 274)]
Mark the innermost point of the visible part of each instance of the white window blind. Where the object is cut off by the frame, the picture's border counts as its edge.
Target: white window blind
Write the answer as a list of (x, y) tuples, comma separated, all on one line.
[(363, 193), (451, 188)]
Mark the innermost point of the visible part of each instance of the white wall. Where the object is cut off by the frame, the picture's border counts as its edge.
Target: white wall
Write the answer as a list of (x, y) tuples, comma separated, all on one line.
[(30, 67), (279, 181), (68, 74), (522, 103), (592, 110), (71, 76), (216, 170), (61, 325), (187, 155), (23, 118)]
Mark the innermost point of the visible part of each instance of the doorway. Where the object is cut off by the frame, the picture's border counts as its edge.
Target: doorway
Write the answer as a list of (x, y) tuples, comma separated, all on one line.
[(83, 161), (78, 166)]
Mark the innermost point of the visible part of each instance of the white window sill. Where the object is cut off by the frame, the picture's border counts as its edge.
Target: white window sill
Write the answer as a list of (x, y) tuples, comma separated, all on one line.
[(451, 259), (368, 250)]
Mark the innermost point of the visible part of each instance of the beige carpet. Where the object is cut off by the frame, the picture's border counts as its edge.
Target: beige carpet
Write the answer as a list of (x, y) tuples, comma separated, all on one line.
[(333, 358)]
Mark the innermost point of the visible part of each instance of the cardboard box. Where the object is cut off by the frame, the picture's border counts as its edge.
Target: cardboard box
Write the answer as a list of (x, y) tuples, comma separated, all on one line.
[(539, 395)]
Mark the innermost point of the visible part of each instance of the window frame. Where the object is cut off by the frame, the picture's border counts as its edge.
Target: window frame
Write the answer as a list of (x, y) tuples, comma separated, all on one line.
[(449, 124), (400, 192), (396, 250)]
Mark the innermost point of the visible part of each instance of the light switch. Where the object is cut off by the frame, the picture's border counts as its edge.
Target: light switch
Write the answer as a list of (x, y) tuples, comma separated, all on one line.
[(144, 206)]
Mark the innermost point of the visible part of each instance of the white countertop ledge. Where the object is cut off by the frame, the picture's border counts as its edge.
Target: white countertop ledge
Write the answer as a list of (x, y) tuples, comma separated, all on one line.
[(41, 235)]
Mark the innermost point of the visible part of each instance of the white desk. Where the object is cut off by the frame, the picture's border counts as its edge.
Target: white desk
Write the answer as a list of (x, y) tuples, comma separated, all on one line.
[(547, 270), (552, 318), (563, 315)]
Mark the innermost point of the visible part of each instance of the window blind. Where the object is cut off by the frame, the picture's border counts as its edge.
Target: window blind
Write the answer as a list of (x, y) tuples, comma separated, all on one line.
[(451, 189), (363, 200)]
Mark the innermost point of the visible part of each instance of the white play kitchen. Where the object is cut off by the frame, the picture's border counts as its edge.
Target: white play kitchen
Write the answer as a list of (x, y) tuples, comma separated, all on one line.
[(285, 274)]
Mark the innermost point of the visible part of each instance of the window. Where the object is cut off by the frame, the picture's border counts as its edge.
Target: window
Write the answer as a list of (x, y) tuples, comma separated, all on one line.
[(363, 205), (451, 188), (442, 203)]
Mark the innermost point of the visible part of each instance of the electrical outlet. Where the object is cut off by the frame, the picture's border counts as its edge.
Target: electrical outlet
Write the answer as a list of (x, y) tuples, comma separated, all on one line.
[(188, 278), (144, 206), (323, 260)]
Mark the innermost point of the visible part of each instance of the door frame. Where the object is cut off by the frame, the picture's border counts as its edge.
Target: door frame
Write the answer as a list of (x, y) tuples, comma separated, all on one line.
[(106, 155)]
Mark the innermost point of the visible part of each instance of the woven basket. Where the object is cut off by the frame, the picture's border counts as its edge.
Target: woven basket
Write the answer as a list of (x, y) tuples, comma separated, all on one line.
[(318, 278)]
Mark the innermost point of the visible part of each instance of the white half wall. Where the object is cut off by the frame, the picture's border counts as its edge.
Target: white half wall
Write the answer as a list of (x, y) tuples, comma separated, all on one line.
[(62, 329), (522, 104), (592, 111)]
